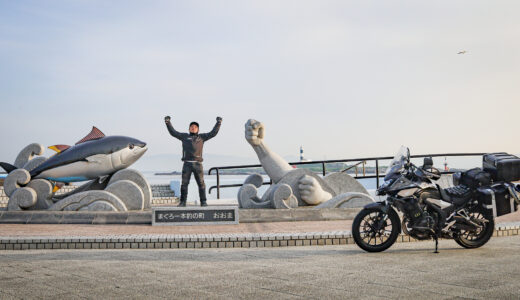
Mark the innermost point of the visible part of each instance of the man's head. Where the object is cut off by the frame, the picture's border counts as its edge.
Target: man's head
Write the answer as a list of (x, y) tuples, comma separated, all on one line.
[(194, 127)]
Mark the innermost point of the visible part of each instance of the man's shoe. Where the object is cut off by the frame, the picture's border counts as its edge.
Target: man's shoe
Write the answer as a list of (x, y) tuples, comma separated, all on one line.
[(203, 203), (182, 204)]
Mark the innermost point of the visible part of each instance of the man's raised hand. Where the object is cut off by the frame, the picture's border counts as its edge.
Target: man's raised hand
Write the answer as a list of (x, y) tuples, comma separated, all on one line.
[(167, 119), (219, 119), (254, 132)]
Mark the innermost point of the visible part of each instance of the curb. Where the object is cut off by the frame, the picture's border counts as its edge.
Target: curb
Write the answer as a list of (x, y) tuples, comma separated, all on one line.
[(145, 217), (202, 241)]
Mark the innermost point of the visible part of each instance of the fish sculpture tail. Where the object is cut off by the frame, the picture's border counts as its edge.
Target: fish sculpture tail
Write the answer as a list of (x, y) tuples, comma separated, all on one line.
[(7, 167)]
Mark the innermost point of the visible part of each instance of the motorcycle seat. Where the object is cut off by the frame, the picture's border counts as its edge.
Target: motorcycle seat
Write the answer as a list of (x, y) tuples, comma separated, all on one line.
[(457, 195)]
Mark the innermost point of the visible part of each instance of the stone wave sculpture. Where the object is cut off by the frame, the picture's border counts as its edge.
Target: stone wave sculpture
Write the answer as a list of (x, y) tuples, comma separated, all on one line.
[(102, 161), (292, 187)]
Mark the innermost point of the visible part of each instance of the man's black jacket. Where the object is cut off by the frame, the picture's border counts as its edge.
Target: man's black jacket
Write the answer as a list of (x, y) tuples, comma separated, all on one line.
[(192, 143)]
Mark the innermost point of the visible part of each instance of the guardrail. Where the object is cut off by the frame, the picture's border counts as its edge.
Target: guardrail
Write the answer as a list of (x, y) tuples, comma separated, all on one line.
[(323, 164)]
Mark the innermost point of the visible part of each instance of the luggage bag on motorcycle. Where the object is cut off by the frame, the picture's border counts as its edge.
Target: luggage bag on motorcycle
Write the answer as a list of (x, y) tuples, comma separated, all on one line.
[(475, 178), (502, 166), (497, 200)]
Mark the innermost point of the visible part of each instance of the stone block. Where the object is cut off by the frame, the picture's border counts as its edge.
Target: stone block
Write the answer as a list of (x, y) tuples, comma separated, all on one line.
[(129, 193), (137, 178), (90, 200), (28, 153)]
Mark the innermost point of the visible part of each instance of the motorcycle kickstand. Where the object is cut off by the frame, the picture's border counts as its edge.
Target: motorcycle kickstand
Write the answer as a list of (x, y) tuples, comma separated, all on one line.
[(436, 245)]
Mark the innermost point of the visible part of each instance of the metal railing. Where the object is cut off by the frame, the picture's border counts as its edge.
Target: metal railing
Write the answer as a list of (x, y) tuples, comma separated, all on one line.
[(323, 164)]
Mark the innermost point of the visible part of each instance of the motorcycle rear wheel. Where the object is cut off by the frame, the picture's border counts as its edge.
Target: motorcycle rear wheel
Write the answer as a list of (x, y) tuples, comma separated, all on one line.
[(479, 238), (374, 230)]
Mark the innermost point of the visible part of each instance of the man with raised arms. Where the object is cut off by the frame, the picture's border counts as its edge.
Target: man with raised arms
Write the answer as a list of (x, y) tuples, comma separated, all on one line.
[(192, 144)]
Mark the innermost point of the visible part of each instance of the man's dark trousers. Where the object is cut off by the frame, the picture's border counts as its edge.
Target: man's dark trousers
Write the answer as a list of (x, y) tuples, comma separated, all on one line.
[(194, 167)]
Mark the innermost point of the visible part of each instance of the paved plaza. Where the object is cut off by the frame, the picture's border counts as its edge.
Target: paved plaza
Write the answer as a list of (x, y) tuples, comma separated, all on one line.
[(405, 271)]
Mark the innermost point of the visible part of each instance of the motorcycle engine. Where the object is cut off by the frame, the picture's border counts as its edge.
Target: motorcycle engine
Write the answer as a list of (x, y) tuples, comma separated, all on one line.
[(421, 228)]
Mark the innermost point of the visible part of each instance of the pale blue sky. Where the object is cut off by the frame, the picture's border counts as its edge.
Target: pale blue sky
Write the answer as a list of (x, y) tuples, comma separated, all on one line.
[(343, 78)]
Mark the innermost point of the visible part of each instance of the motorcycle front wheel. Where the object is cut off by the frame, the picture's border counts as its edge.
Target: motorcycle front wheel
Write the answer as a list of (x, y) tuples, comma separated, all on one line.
[(479, 237), (374, 230)]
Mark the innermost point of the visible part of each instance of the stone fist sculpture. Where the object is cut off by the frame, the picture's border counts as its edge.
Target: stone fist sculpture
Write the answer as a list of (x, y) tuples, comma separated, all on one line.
[(293, 187), (254, 132)]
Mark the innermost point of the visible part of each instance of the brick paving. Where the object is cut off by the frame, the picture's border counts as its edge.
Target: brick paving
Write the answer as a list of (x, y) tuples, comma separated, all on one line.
[(57, 230), (247, 235)]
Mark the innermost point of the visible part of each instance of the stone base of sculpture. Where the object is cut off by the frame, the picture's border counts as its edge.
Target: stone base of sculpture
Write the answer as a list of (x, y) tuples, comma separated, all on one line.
[(346, 191)]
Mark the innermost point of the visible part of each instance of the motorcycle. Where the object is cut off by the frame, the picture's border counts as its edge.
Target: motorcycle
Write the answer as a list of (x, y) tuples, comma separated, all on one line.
[(429, 212)]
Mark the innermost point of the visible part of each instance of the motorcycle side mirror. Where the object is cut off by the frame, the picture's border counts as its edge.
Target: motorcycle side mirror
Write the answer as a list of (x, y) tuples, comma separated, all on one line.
[(428, 163)]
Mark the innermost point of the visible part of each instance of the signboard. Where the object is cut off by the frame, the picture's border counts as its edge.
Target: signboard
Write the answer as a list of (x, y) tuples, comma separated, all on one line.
[(195, 215)]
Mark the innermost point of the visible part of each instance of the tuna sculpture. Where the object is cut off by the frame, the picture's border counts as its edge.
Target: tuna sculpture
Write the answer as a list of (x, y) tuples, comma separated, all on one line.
[(32, 182)]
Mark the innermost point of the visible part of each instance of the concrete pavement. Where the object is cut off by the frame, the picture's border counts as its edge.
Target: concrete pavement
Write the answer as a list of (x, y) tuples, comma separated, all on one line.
[(405, 271)]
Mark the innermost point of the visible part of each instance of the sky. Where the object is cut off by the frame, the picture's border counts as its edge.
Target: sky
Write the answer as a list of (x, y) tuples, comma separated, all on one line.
[(342, 78)]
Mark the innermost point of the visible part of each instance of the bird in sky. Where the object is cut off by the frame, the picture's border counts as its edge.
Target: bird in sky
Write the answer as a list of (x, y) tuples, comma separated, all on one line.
[(462, 52)]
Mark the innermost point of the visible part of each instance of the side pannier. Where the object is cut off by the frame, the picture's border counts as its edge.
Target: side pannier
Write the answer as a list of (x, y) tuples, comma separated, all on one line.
[(498, 200)]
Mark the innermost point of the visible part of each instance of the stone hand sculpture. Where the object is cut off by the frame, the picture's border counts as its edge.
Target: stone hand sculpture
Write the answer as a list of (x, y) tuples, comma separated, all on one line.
[(311, 191), (275, 166), (292, 187)]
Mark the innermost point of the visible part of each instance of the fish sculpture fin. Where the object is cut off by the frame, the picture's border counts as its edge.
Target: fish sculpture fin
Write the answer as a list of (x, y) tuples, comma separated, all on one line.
[(7, 167), (93, 135), (59, 148), (98, 158), (103, 178)]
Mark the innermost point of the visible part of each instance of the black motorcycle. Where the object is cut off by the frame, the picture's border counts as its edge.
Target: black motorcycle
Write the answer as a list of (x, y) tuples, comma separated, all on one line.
[(462, 212)]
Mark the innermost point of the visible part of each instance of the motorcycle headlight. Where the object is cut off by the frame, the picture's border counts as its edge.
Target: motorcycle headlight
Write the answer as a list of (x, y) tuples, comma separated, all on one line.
[(382, 189)]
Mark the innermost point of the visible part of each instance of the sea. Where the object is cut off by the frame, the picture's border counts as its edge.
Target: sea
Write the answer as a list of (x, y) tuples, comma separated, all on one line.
[(225, 193)]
